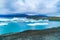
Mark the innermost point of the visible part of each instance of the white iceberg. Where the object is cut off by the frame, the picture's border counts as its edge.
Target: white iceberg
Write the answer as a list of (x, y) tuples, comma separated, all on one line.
[(3, 24), (4, 19), (36, 24)]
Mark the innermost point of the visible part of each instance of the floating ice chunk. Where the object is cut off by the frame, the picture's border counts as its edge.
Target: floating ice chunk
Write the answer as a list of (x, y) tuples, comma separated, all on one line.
[(4, 19), (18, 19), (26, 20), (3, 24), (36, 24), (14, 19)]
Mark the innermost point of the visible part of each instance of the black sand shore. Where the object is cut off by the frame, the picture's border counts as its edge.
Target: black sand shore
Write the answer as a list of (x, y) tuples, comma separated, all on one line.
[(48, 34)]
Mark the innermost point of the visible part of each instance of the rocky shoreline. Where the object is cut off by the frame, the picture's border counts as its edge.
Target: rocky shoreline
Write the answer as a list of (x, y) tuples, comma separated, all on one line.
[(48, 34)]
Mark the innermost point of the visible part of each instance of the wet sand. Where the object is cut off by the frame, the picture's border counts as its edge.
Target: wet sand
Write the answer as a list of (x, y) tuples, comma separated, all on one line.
[(48, 34)]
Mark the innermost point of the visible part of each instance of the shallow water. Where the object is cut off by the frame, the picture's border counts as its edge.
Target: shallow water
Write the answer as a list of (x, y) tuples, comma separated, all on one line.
[(53, 24)]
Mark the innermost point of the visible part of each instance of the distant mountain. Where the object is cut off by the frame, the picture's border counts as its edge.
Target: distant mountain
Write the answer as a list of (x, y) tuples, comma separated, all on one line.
[(22, 15)]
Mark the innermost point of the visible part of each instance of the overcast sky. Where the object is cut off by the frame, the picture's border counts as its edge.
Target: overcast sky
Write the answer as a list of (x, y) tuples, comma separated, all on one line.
[(48, 7)]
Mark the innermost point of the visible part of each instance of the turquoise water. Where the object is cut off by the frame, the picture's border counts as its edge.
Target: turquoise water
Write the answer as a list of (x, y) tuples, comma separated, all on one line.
[(53, 24), (13, 27), (19, 27)]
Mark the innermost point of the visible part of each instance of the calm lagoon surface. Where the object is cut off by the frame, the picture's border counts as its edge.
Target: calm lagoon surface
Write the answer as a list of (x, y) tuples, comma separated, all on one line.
[(15, 26), (53, 24)]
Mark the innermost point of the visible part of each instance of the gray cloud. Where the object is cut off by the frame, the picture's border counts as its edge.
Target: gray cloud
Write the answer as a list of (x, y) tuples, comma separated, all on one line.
[(21, 6)]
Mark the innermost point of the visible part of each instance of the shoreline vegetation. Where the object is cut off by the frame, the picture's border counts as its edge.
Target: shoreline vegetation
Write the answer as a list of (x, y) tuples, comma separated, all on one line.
[(54, 18)]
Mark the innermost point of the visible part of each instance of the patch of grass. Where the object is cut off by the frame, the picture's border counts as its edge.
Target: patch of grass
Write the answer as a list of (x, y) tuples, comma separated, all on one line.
[(54, 18)]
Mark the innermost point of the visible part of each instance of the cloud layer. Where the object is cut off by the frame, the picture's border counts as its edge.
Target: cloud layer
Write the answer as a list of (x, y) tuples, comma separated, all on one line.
[(21, 6)]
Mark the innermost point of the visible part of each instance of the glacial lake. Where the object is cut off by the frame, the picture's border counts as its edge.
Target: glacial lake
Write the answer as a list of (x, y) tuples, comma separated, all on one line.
[(14, 27)]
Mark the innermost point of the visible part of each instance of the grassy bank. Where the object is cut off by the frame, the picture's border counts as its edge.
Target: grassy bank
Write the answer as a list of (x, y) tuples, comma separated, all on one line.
[(54, 18)]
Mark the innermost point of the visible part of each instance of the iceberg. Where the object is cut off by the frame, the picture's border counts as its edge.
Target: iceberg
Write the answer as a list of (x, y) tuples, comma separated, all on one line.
[(3, 24), (36, 24)]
